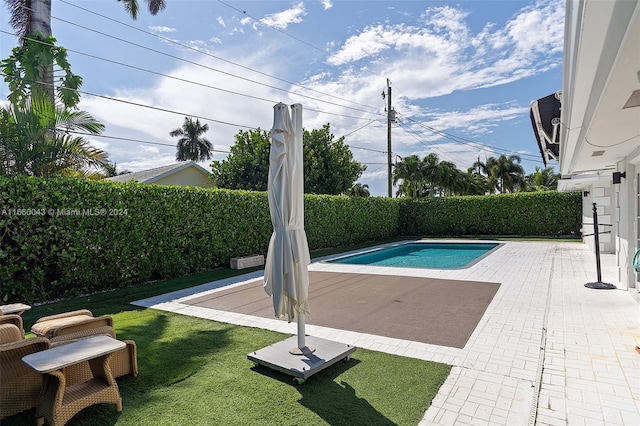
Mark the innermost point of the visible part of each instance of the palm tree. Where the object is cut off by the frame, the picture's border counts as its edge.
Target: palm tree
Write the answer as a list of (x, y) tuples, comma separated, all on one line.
[(33, 18), (409, 170), (191, 146), (508, 173), (543, 179), (431, 173), (41, 140), (154, 6), (474, 183), (449, 179), (359, 190), (504, 174)]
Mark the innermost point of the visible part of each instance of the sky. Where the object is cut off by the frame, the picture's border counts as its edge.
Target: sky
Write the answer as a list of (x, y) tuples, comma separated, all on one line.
[(462, 74)]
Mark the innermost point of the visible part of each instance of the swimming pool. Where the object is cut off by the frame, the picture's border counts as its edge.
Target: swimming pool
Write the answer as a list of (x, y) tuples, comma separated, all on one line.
[(424, 255)]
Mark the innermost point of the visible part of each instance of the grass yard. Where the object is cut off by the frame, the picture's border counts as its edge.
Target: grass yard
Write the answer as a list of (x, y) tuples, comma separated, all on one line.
[(195, 372)]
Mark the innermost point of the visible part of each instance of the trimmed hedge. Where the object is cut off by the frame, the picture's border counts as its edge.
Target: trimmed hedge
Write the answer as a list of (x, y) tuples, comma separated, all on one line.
[(332, 221), (64, 237), (544, 213)]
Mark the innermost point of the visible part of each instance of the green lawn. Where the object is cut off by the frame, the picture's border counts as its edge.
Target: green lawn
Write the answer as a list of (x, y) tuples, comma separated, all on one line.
[(195, 372)]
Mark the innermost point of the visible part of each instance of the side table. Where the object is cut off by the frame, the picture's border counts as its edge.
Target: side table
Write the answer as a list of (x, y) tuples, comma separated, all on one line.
[(14, 308), (60, 401)]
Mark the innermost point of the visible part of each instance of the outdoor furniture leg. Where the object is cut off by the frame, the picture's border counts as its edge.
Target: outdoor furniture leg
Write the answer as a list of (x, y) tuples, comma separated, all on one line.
[(59, 402)]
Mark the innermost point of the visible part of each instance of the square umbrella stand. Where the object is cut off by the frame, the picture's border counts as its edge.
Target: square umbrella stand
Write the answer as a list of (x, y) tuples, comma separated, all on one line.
[(278, 357)]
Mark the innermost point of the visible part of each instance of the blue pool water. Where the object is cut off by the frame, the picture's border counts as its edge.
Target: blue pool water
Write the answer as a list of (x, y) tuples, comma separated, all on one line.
[(424, 255)]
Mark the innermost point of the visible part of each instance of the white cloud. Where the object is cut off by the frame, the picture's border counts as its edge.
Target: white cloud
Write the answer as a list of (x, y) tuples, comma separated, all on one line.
[(159, 29), (225, 112), (437, 55), (443, 55), (327, 4), (282, 20)]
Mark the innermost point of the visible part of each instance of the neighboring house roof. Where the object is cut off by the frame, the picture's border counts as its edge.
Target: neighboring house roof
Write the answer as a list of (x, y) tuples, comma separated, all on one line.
[(186, 173)]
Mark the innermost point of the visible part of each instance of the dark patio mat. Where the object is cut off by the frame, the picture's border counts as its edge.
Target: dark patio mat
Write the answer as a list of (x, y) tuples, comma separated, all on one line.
[(440, 312)]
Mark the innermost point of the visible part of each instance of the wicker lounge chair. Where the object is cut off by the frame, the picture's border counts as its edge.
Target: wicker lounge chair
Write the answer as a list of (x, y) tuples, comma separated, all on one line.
[(74, 325), (13, 319), (68, 322), (19, 385)]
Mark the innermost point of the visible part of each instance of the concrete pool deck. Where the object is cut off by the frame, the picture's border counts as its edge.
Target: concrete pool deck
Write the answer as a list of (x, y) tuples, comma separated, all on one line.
[(547, 350)]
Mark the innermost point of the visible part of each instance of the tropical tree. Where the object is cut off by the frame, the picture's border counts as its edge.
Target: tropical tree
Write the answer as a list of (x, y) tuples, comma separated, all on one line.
[(191, 145), (358, 190), (474, 183), (247, 166), (110, 170), (431, 173), (504, 174), (409, 170), (32, 21), (450, 180), (508, 173), (542, 179), (25, 72), (132, 7), (329, 167), (37, 139)]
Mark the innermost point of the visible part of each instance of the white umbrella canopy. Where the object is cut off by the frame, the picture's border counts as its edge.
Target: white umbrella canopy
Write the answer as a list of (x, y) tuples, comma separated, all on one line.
[(286, 274)]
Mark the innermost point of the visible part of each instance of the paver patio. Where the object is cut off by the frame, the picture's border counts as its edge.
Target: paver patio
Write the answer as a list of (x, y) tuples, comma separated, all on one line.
[(547, 350)]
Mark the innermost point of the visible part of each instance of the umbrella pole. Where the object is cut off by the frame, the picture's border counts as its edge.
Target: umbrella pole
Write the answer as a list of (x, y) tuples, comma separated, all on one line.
[(301, 348), (301, 331)]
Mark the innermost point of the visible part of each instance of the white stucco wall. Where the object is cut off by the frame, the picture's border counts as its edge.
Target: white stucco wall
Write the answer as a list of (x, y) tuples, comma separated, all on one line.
[(601, 193)]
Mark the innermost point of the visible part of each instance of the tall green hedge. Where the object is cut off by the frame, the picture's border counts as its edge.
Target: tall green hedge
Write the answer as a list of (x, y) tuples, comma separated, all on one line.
[(64, 237), (545, 213)]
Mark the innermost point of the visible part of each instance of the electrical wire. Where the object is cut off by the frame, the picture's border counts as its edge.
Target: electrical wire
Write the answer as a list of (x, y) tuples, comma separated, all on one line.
[(182, 79), (329, 55), (229, 74), (145, 106), (444, 155), (102, 135), (212, 56), (468, 142)]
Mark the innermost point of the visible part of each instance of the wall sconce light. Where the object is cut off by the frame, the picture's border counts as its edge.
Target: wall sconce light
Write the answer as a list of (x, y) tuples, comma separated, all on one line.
[(617, 176), (585, 194)]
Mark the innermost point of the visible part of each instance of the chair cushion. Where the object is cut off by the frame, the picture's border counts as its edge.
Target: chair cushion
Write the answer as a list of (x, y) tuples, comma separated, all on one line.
[(10, 333), (42, 328)]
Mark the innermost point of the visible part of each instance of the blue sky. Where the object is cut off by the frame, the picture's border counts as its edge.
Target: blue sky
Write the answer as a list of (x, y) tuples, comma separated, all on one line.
[(462, 73)]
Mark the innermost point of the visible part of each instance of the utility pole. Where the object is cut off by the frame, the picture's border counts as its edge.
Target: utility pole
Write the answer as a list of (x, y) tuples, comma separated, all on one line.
[(390, 118)]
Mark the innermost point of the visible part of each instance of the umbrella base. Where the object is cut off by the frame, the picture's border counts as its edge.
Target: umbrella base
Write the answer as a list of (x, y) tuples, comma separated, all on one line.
[(278, 356), (600, 286)]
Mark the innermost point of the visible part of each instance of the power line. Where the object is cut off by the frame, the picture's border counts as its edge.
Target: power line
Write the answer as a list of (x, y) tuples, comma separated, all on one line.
[(181, 79), (208, 67), (330, 55), (216, 57), (172, 112), (442, 153), (462, 140), (136, 140), (144, 106)]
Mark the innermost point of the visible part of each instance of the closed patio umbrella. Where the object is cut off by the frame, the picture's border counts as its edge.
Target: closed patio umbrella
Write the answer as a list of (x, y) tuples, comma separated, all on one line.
[(286, 274)]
